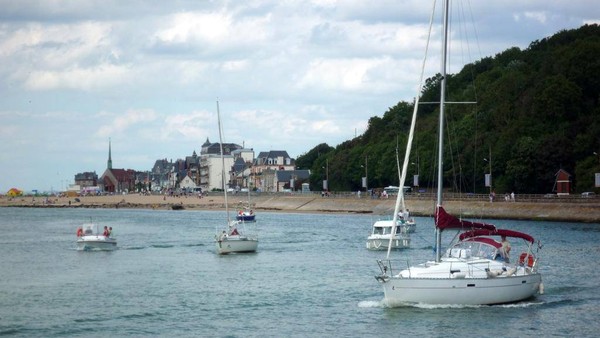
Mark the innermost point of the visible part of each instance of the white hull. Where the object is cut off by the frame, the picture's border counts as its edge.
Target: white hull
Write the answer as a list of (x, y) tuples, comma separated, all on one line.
[(383, 243), (235, 244), (96, 242), (465, 281), (464, 291)]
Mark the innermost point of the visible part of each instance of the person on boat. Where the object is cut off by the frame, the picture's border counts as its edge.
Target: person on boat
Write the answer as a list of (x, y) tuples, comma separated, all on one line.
[(105, 233), (79, 232), (505, 249), (234, 232), (109, 231)]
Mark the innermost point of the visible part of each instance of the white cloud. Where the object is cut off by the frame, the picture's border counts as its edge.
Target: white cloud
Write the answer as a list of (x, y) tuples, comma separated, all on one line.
[(290, 74), (186, 27), (98, 77), (336, 74), (189, 126), (122, 124), (537, 16)]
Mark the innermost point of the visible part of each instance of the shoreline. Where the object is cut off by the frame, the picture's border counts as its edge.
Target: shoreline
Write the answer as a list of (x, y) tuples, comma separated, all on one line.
[(536, 211)]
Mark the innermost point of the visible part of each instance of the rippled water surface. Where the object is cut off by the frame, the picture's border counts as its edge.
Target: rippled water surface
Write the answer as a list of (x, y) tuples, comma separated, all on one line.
[(312, 276)]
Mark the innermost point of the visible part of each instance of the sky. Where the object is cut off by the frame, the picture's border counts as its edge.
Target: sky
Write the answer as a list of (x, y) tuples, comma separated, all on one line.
[(288, 74)]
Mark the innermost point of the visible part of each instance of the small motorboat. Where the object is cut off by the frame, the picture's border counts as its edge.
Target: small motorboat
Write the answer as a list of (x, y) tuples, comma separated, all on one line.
[(380, 236), (88, 238), (246, 215)]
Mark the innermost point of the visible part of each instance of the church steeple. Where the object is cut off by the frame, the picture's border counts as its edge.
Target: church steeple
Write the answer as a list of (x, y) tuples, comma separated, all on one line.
[(109, 163)]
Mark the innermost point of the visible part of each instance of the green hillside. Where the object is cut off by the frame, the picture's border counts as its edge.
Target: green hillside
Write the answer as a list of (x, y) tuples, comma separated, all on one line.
[(537, 112)]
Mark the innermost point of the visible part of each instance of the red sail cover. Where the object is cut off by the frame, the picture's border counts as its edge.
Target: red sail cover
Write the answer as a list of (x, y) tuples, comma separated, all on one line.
[(497, 232), (444, 220)]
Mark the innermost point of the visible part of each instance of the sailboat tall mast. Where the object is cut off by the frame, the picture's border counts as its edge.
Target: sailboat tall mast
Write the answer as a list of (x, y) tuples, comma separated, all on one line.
[(438, 237), (222, 162)]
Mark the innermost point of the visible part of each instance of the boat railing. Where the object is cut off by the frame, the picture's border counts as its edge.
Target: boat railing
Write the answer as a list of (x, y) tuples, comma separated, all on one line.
[(386, 269), (385, 266)]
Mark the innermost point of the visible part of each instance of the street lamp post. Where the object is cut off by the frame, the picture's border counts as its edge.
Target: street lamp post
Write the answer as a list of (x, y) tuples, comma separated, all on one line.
[(326, 182), (488, 177), (365, 180), (597, 174), (416, 176)]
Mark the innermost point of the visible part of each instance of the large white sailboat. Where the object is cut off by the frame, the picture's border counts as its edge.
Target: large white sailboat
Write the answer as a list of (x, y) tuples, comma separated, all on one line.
[(233, 238), (475, 269)]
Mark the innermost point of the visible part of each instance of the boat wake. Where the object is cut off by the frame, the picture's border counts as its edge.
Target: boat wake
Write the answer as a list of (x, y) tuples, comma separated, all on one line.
[(370, 304), (383, 304)]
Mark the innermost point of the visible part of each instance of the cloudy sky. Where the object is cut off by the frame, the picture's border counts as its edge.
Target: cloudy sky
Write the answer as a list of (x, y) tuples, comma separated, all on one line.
[(289, 75)]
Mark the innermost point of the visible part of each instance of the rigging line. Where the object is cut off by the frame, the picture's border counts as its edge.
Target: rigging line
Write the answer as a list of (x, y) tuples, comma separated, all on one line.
[(475, 93), (478, 49)]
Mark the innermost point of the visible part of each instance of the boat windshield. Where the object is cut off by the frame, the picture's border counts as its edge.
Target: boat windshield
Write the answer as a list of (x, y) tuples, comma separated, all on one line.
[(89, 229), (475, 247), (385, 230)]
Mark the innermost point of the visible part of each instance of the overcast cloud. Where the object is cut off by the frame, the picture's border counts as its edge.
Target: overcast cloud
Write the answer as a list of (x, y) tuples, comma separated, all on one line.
[(289, 75)]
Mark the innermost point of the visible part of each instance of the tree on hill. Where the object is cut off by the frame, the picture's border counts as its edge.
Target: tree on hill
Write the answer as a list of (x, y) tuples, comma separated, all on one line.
[(537, 112)]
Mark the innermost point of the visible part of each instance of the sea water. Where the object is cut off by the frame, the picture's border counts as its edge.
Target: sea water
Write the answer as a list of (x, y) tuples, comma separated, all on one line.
[(311, 277)]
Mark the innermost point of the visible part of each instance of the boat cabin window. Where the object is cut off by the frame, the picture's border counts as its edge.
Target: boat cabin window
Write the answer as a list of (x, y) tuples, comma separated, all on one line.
[(385, 230)]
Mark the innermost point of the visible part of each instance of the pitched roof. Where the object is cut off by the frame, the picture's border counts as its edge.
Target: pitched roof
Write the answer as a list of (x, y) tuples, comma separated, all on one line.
[(215, 148), (286, 175), (239, 165), (264, 156)]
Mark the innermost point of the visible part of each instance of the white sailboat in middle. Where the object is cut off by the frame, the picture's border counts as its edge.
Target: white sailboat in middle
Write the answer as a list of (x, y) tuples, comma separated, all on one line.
[(233, 238)]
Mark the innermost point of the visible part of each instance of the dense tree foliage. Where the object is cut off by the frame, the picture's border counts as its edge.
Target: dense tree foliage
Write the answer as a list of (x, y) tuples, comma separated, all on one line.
[(536, 112)]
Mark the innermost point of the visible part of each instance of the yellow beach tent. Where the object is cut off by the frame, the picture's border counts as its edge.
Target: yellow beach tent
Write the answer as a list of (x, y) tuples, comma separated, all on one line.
[(14, 192)]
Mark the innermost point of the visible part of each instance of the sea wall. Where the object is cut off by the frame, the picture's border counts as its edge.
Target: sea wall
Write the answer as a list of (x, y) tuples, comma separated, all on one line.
[(547, 211)]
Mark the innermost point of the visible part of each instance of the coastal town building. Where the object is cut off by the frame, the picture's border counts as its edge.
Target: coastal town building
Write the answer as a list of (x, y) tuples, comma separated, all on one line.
[(211, 165), (187, 183), (240, 171), (86, 183), (160, 175), (270, 171), (266, 164), (86, 179), (563, 182), (192, 168), (291, 179), (117, 180)]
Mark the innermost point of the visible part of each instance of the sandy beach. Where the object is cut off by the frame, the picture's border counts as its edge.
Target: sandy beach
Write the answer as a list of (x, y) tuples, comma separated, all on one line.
[(547, 211)]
